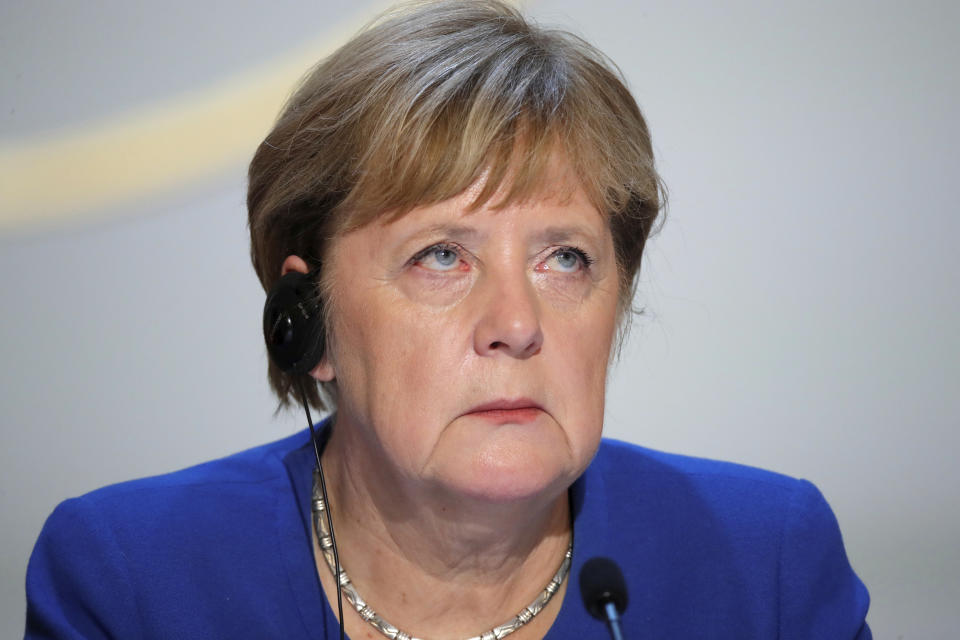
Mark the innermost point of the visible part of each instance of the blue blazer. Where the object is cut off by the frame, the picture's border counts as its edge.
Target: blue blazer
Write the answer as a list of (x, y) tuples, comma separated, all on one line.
[(708, 549)]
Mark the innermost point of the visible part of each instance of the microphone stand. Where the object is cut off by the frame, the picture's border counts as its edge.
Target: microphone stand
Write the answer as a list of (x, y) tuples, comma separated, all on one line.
[(613, 621)]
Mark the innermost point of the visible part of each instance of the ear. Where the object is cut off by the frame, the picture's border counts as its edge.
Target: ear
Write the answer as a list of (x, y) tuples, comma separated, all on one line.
[(293, 263), (324, 371)]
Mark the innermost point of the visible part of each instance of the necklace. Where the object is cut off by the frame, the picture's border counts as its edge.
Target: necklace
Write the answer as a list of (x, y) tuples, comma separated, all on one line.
[(367, 613)]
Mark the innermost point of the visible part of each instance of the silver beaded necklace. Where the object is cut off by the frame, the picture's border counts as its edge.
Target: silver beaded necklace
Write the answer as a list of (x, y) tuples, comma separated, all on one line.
[(350, 592)]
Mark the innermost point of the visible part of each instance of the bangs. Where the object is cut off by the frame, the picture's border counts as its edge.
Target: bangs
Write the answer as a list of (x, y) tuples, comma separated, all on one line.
[(517, 164), (483, 103)]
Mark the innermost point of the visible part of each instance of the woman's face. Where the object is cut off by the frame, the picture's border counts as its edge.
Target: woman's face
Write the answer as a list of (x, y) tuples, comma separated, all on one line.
[(470, 348)]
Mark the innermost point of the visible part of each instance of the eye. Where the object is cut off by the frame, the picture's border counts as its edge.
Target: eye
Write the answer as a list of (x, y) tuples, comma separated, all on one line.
[(567, 260), (439, 257)]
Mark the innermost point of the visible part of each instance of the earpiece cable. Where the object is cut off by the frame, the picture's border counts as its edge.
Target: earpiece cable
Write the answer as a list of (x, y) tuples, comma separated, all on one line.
[(326, 500)]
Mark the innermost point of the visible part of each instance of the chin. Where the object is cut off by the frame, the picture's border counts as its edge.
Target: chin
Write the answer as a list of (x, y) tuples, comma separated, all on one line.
[(517, 476)]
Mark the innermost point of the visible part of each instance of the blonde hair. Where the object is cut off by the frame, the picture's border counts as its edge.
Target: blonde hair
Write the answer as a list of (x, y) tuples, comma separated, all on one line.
[(423, 102)]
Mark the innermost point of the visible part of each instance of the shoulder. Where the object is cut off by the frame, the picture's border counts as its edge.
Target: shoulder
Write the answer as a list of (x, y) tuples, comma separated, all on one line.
[(618, 458), (206, 491), (758, 549), (258, 465), (209, 497), (703, 498), (210, 485), (689, 483), (116, 558)]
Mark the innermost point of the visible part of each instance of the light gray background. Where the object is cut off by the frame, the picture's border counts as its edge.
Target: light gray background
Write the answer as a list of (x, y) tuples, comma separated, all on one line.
[(802, 299)]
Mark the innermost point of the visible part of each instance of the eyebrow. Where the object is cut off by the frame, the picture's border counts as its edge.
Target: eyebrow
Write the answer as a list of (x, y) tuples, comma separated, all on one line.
[(554, 235), (461, 233), (454, 232)]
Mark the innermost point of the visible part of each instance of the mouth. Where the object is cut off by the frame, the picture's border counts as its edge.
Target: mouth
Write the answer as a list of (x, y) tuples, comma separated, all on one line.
[(517, 411)]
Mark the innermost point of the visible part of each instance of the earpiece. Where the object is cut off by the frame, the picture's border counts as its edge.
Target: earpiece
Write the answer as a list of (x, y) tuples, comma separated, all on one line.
[(293, 330), (293, 323)]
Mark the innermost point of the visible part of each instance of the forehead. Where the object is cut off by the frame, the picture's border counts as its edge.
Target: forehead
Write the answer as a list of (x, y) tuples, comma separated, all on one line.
[(553, 192), (558, 208)]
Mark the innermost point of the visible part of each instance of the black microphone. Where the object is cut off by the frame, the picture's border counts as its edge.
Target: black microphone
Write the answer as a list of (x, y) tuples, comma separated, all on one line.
[(604, 592)]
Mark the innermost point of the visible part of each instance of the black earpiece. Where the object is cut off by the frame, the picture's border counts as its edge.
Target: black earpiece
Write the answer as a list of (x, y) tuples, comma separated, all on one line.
[(296, 342), (293, 323)]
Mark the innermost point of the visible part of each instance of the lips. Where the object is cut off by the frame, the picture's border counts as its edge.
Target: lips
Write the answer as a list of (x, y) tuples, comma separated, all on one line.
[(519, 410)]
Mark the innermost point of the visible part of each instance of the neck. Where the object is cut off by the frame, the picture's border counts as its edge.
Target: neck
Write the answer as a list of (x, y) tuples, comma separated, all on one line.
[(436, 564)]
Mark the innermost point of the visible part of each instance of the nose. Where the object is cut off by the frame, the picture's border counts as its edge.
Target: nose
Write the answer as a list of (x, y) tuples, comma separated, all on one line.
[(509, 320)]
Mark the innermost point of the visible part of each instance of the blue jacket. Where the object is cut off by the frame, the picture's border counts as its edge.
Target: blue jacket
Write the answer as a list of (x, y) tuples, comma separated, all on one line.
[(223, 550)]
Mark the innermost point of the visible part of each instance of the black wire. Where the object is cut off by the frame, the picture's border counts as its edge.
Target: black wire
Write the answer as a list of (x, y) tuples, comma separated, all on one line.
[(326, 501)]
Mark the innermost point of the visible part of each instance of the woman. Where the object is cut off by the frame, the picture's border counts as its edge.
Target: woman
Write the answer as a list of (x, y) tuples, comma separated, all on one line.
[(465, 198)]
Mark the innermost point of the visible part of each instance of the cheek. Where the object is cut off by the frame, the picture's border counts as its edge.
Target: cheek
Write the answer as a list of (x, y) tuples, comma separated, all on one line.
[(586, 376), (435, 290), (583, 345), (395, 364), (565, 294)]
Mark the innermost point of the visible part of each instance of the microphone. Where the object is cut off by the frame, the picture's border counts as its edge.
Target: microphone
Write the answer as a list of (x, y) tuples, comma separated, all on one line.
[(604, 592)]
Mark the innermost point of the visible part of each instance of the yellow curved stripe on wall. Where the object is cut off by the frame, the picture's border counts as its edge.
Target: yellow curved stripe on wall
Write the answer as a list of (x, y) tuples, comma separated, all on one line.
[(88, 172), (92, 171), (135, 154)]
